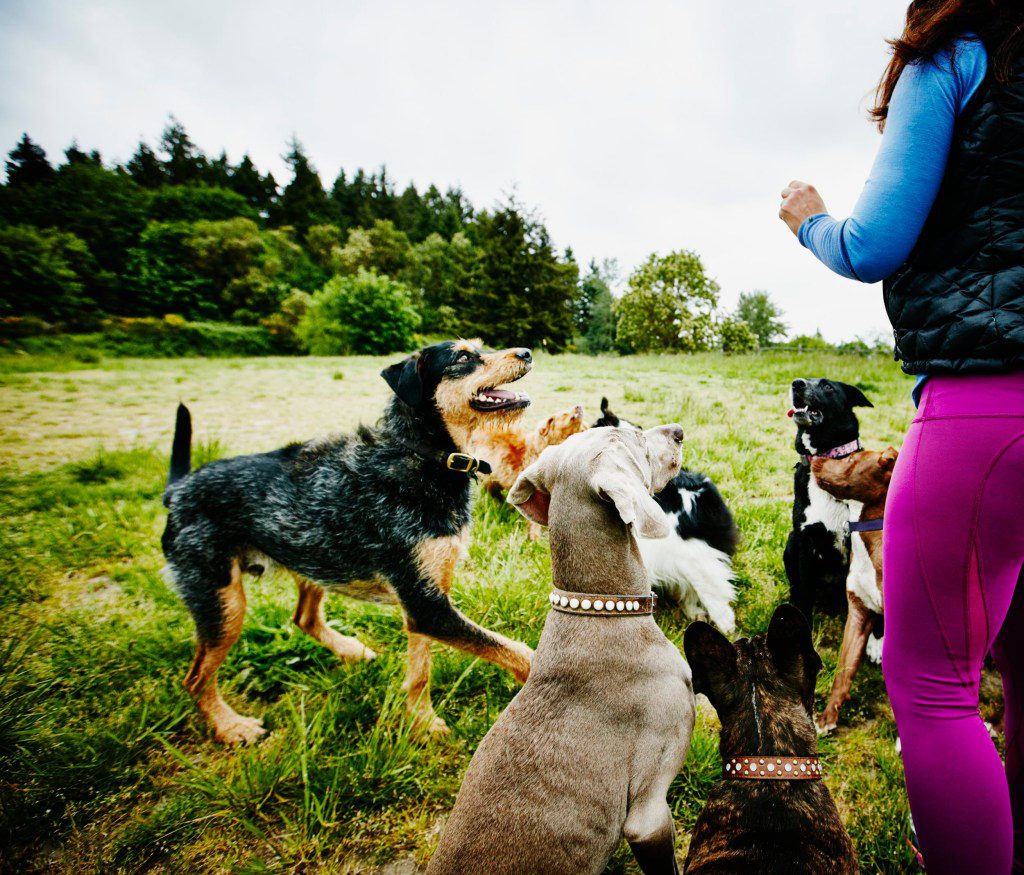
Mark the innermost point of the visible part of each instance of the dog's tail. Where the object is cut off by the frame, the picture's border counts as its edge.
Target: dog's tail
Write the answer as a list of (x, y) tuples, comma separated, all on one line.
[(181, 449)]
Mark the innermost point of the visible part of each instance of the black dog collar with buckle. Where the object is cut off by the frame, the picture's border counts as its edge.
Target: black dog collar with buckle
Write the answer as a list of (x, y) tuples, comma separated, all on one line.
[(461, 463), (596, 605)]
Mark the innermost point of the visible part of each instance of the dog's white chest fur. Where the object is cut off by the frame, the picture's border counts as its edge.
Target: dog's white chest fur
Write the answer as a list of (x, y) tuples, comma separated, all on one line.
[(862, 580), (692, 573), (832, 513)]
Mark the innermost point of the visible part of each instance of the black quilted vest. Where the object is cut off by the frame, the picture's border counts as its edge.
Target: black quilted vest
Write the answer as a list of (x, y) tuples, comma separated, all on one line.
[(957, 304)]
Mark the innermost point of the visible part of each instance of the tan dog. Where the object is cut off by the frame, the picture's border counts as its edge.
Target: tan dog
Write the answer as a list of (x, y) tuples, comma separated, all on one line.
[(510, 451), (862, 481), (585, 753)]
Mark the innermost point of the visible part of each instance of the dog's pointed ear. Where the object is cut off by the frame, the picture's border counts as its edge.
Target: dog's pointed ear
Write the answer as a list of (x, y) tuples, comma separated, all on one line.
[(855, 397), (792, 649), (529, 498), (604, 406), (615, 482), (405, 380), (546, 427), (712, 659)]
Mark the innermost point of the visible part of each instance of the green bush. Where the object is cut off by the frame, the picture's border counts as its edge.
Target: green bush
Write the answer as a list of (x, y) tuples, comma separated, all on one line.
[(736, 336), (366, 314), (42, 272)]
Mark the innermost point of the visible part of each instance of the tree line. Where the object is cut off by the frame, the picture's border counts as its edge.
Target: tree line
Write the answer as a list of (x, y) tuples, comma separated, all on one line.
[(360, 266)]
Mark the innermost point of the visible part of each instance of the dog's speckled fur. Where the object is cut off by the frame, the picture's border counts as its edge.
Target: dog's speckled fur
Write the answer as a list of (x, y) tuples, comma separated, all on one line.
[(361, 514)]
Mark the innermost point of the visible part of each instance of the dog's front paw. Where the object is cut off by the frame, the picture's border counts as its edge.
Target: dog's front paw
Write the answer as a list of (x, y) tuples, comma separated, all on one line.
[(426, 721), (828, 722), (239, 730)]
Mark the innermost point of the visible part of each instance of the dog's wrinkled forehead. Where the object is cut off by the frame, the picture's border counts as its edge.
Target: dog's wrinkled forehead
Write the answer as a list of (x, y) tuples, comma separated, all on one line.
[(583, 451)]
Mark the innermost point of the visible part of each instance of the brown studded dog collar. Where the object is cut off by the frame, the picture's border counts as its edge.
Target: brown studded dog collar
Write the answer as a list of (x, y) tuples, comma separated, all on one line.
[(772, 768), (598, 605)]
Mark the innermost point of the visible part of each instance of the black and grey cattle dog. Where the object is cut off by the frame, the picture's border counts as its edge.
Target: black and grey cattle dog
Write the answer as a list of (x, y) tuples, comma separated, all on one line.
[(782, 820), (383, 514), (817, 555), (692, 567)]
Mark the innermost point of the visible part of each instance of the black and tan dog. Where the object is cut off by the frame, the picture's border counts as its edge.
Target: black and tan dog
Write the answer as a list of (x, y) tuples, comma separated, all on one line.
[(381, 515), (771, 813)]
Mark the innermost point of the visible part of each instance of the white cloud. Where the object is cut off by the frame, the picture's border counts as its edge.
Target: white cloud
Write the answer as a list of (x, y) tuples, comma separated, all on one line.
[(631, 127)]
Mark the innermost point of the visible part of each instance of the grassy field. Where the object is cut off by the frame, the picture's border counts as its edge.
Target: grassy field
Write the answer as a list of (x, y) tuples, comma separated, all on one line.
[(104, 764)]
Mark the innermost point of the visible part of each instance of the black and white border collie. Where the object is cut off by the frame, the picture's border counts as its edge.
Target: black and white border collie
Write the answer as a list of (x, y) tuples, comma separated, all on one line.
[(692, 567), (817, 555)]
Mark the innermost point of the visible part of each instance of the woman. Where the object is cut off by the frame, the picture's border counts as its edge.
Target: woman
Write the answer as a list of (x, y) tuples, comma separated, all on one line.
[(941, 221)]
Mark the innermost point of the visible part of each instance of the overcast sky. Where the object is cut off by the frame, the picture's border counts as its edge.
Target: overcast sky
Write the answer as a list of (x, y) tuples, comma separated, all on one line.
[(631, 127)]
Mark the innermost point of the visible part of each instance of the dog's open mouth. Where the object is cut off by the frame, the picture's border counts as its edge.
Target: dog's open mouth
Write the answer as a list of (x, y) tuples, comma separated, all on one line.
[(805, 416), (487, 400)]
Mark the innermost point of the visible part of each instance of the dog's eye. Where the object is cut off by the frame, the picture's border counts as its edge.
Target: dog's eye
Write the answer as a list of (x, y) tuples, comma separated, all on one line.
[(828, 387), (462, 358)]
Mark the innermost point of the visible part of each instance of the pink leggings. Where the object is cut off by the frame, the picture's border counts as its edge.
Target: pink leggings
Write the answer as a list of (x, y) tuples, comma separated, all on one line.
[(954, 553)]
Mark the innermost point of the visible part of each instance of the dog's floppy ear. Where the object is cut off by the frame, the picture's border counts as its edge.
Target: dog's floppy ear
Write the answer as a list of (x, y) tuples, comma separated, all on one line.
[(888, 457), (614, 481), (854, 396), (792, 649), (530, 494), (405, 380), (712, 659)]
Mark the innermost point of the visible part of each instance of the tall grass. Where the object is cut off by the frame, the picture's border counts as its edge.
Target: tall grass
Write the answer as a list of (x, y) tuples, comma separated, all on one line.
[(104, 764)]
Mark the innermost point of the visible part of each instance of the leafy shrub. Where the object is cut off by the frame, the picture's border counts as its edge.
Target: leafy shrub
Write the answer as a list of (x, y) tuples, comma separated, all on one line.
[(737, 336), (362, 314), (42, 272), (669, 306), (283, 325)]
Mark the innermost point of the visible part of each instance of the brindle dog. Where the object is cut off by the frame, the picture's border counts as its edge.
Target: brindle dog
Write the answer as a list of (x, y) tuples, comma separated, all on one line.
[(380, 515), (763, 690)]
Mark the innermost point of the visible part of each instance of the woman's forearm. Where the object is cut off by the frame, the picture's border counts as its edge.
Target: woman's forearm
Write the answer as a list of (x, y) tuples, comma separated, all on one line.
[(883, 228)]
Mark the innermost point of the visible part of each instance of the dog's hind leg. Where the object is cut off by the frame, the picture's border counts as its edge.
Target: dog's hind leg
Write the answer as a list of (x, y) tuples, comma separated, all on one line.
[(651, 833), (309, 617), (214, 642)]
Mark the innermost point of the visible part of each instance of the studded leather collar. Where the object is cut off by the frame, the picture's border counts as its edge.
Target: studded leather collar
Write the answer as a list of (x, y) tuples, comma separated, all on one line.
[(772, 768), (602, 605)]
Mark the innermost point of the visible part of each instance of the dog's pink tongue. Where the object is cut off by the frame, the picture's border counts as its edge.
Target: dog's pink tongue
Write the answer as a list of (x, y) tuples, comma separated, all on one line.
[(790, 412)]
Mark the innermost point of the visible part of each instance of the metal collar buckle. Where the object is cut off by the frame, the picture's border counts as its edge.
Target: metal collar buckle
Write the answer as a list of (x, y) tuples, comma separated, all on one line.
[(462, 462)]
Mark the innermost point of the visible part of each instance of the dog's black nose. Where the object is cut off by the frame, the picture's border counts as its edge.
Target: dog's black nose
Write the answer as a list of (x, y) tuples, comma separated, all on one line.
[(799, 384), (525, 355)]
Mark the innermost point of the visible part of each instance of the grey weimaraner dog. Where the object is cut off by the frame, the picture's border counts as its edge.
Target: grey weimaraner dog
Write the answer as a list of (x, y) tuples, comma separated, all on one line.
[(586, 751)]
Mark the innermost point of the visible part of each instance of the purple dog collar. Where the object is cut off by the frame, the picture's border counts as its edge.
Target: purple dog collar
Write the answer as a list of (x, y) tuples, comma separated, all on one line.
[(874, 525), (840, 452)]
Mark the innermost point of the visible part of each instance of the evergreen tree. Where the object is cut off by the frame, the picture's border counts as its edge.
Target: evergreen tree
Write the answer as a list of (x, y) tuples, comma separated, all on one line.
[(218, 172), (260, 191), (524, 294), (303, 202), (184, 163), (27, 164), (74, 155), (595, 318), (145, 168)]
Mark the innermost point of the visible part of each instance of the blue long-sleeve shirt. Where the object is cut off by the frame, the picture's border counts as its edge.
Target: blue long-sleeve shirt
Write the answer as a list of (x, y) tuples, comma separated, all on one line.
[(880, 233)]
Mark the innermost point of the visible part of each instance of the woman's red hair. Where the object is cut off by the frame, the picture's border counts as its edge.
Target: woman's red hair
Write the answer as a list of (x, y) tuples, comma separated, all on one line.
[(934, 25)]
